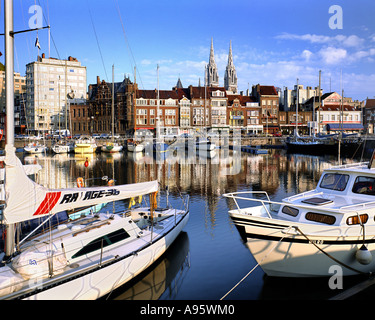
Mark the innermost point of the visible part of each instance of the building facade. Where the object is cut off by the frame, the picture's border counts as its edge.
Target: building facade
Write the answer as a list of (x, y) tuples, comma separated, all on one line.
[(268, 99), (335, 115), (19, 101), (244, 113), (50, 84)]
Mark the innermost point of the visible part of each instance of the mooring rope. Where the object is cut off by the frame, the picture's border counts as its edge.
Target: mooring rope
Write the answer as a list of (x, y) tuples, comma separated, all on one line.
[(328, 255), (310, 241), (256, 266)]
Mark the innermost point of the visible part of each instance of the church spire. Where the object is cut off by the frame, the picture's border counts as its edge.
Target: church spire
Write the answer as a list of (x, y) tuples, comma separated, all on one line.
[(211, 74), (230, 76)]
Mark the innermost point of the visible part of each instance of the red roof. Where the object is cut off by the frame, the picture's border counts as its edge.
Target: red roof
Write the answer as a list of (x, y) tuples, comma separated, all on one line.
[(337, 107), (267, 90), (242, 99)]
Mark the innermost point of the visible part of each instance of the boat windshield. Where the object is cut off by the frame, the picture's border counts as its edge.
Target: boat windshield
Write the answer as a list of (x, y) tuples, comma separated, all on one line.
[(334, 181), (364, 185)]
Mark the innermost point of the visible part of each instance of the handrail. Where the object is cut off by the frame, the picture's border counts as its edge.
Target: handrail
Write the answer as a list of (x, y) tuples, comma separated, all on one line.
[(363, 205), (234, 196), (349, 165), (304, 194)]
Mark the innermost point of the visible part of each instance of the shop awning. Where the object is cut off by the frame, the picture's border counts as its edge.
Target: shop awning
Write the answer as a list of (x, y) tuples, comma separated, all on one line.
[(344, 126)]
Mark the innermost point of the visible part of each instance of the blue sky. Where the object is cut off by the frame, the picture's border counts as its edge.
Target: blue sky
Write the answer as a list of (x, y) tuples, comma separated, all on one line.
[(274, 42)]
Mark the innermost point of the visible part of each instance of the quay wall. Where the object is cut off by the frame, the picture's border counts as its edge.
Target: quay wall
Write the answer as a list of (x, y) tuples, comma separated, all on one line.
[(272, 142)]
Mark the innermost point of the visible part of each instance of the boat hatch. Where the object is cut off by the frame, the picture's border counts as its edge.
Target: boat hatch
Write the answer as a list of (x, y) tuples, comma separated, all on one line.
[(317, 201)]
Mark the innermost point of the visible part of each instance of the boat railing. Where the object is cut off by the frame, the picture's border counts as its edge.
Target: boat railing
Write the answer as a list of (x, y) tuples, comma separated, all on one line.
[(304, 195), (361, 206), (349, 165), (235, 196), (270, 205)]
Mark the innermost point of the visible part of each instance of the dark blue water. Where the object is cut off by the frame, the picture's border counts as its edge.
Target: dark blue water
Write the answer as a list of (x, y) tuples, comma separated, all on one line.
[(208, 259)]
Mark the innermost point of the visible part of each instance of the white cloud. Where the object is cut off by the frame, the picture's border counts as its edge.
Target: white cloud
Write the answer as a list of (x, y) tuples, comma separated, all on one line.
[(306, 54), (347, 41), (331, 55)]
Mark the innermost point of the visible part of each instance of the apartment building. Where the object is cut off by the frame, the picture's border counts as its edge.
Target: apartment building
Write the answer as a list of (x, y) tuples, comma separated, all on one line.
[(19, 101), (50, 84), (268, 99), (146, 111), (244, 113), (335, 115)]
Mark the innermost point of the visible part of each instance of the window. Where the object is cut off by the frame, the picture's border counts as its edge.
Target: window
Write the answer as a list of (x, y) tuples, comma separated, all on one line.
[(319, 217), (357, 219), (334, 181), (364, 185), (290, 211), (107, 240)]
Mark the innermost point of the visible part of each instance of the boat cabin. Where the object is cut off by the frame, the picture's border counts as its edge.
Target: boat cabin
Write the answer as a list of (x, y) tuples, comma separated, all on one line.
[(345, 195)]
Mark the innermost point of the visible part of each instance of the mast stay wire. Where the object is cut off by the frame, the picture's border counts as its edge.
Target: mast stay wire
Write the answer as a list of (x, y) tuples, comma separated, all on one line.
[(127, 44)]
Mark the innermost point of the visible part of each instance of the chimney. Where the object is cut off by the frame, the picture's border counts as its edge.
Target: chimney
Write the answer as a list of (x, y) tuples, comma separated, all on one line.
[(43, 55), (97, 80)]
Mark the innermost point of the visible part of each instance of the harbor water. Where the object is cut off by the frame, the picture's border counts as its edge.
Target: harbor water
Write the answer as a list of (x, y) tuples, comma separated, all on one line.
[(209, 258)]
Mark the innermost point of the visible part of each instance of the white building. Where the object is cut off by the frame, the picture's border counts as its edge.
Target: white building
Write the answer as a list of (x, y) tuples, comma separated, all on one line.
[(335, 116), (219, 110), (50, 84), (289, 97)]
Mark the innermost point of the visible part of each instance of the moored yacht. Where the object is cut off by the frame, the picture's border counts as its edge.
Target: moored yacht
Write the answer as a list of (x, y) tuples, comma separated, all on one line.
[(305, 234)]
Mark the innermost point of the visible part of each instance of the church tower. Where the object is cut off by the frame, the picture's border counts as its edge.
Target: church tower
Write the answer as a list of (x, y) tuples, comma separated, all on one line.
[(230, 76), (211, 74)]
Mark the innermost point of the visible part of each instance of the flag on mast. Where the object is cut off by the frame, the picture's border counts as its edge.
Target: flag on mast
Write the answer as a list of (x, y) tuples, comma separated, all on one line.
[(37, 44)]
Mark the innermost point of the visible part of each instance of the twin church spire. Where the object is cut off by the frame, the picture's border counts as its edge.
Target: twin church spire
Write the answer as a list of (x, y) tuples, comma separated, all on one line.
[(211, 72)]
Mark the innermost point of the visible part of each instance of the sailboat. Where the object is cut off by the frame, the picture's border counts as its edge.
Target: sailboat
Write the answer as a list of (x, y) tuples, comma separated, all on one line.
[(112, 146), (34, 147), (302, 144), (159, 146), (63, 147), (85, 144), (84, 258)]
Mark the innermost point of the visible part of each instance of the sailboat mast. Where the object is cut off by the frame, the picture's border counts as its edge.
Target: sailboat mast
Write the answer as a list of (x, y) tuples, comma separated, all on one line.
[(9, 100), (113, 100), (157, 110), (297, 109)]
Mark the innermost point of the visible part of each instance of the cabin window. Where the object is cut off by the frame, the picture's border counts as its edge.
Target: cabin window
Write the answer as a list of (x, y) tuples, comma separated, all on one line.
[(334, 181), (319, 217), (107, 240), (290, 211), (364, 185), (362, 218)]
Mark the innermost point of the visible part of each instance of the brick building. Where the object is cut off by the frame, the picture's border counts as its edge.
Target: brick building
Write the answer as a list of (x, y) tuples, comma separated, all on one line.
[(268, 99)]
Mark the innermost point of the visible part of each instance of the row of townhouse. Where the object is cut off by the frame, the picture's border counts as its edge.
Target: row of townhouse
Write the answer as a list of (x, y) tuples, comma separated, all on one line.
[(181, 110), (192, 109)]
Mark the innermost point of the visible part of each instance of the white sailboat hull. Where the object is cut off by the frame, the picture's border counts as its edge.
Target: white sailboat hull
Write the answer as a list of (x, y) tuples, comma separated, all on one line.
[(62, 148), (118, 266), (35, 149), (111, 148)]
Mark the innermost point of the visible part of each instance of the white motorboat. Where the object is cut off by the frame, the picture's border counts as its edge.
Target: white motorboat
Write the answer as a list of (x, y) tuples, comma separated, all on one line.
[(88, 257), (35, 147), (305, 234)]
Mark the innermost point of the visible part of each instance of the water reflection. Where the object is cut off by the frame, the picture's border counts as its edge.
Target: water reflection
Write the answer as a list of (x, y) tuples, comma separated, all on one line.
[(163, 279), (218, 258)]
